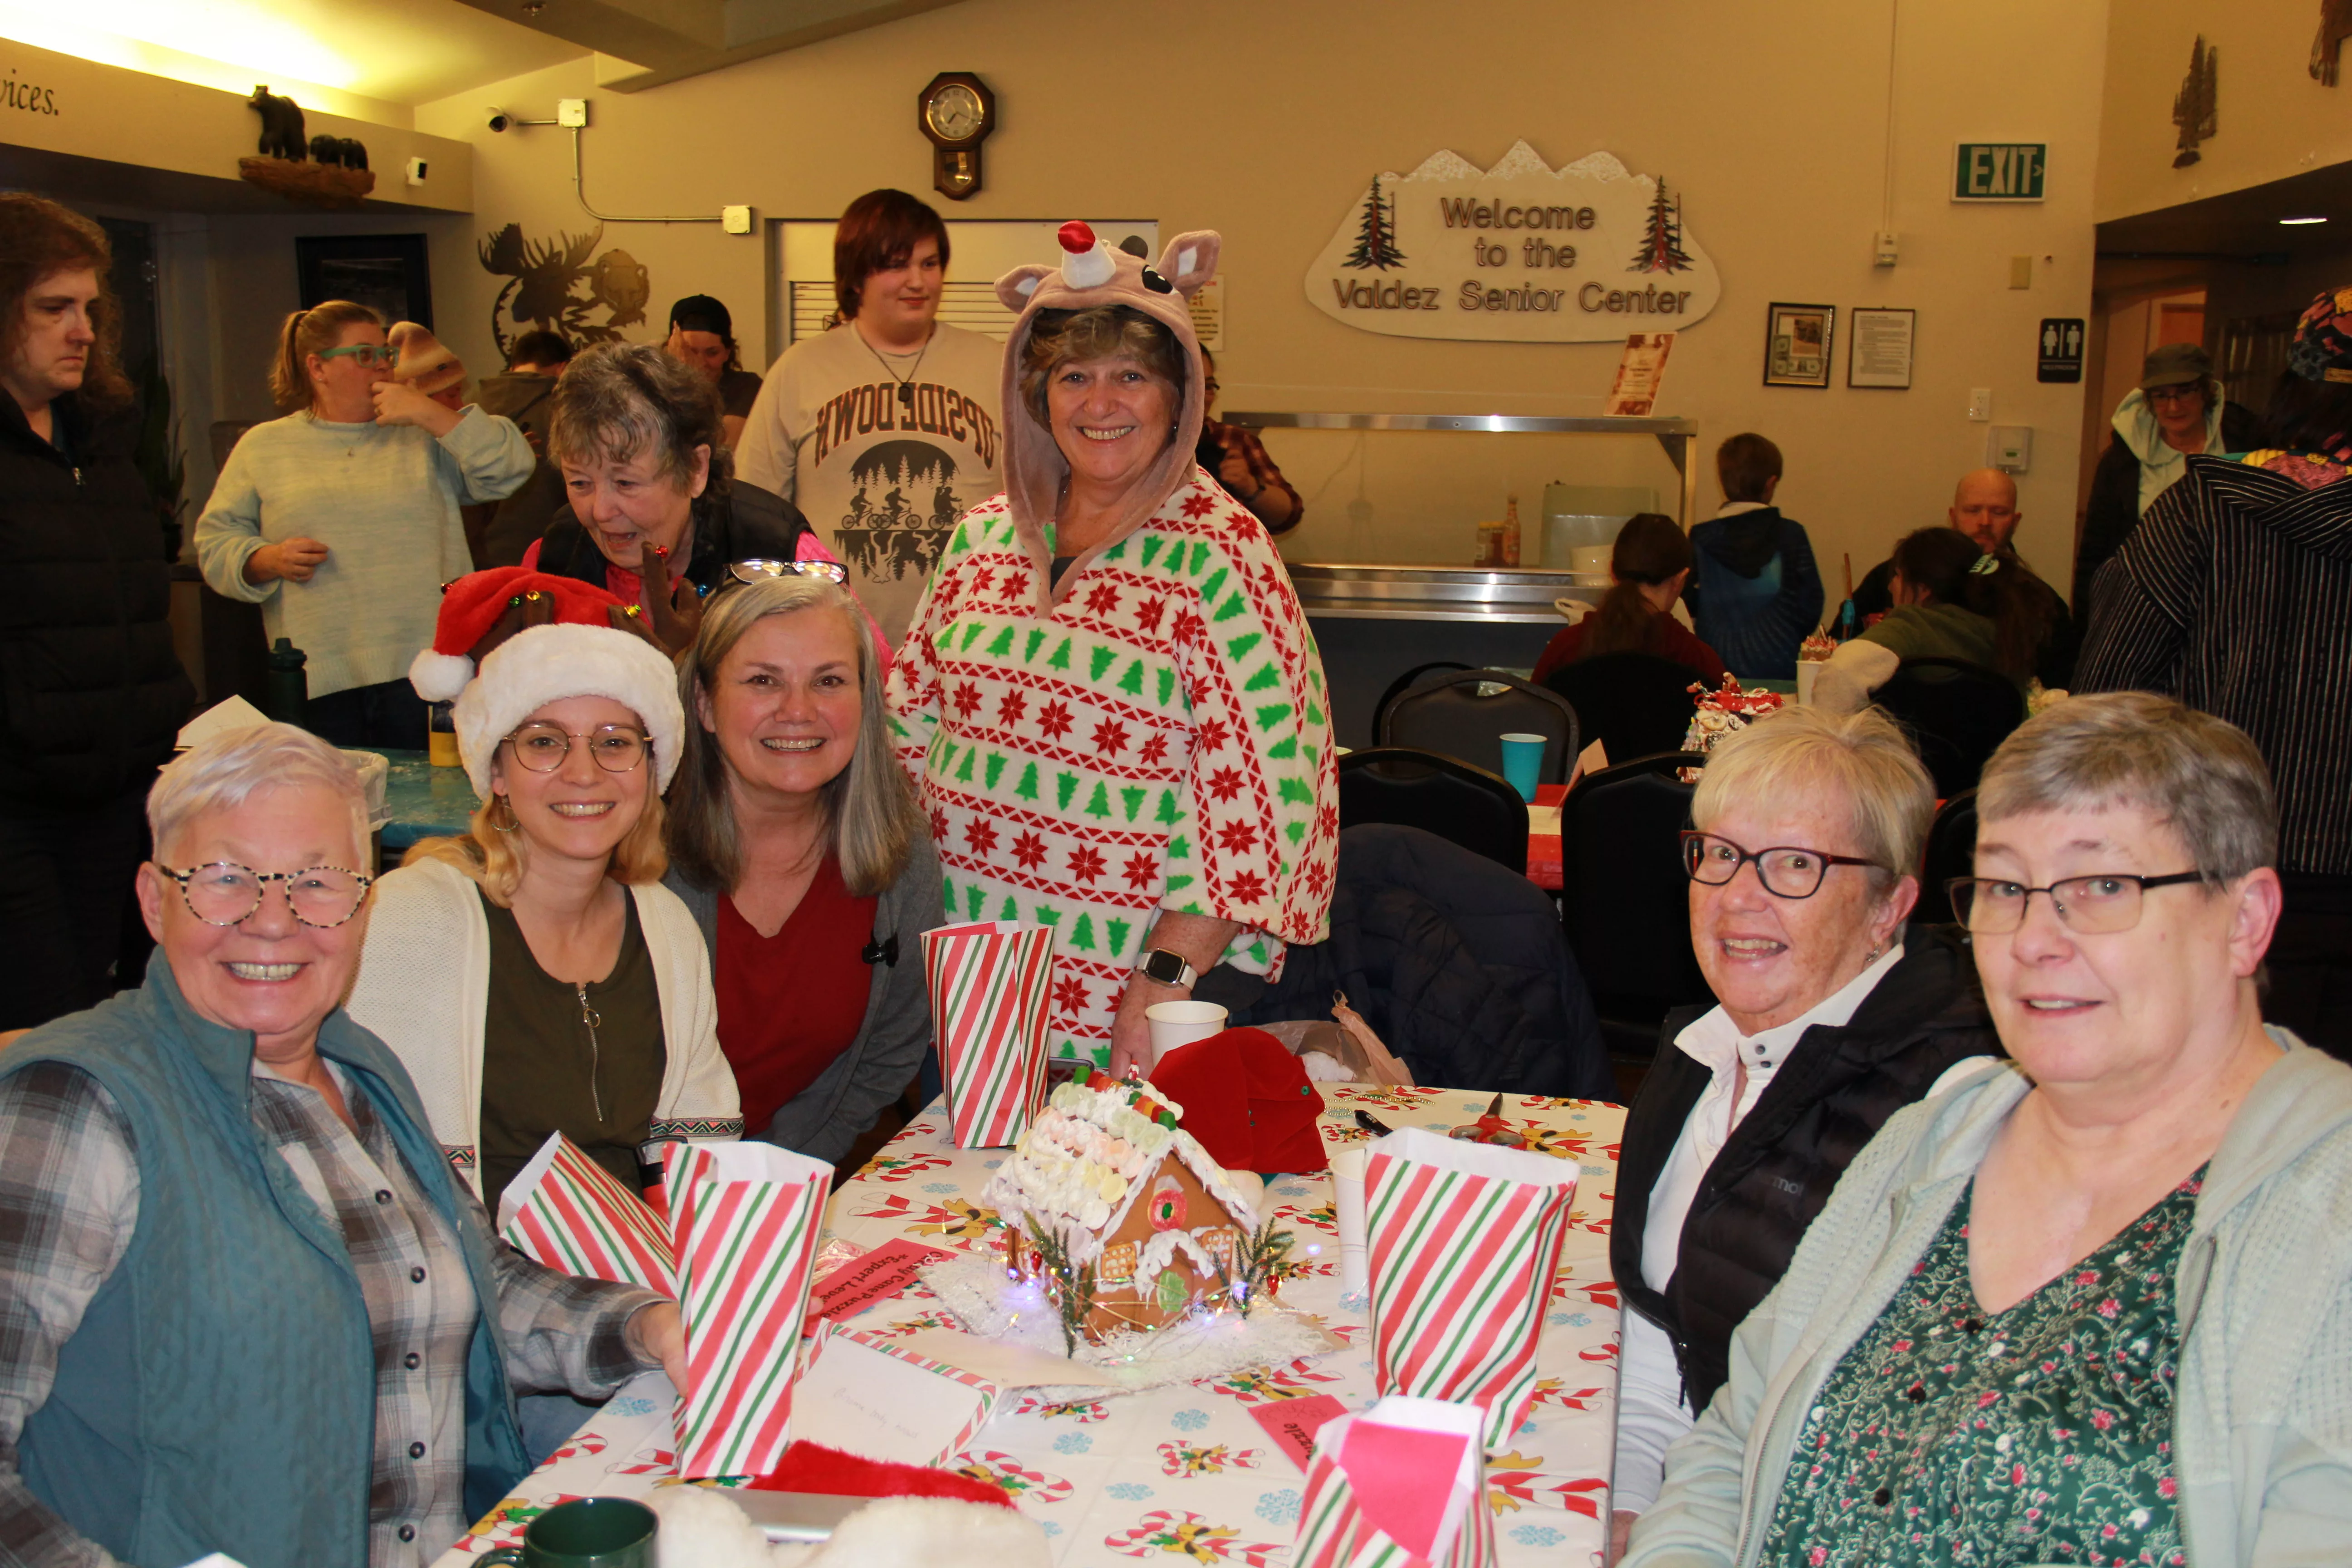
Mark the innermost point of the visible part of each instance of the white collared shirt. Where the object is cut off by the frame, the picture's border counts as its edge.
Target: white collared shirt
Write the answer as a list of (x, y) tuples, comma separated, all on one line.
[(1734, 507), (1650, 1410)]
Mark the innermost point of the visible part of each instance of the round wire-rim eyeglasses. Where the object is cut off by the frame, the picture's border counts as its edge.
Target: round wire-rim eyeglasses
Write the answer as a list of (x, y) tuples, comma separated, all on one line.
[(616, 748), (1783, 869), (324, 898)]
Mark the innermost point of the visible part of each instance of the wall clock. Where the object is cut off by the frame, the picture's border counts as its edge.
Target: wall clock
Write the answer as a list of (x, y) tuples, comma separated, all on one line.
[(957, 112)]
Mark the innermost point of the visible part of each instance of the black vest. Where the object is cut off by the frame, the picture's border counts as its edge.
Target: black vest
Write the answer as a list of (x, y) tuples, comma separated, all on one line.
[(743, 523), (1834, 1091)]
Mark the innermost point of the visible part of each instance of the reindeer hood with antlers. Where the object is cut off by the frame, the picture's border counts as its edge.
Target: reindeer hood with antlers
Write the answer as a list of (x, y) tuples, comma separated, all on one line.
[(1092, 274)]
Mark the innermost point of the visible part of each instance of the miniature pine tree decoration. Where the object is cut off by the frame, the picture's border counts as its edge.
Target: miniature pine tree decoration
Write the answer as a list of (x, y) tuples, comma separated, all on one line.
[(2193, 106), (1376, 234), (1071, 1289), (1662, 242)]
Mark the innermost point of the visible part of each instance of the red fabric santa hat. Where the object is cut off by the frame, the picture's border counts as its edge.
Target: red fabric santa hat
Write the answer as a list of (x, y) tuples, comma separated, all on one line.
[(540, 640), (1247, 1101)]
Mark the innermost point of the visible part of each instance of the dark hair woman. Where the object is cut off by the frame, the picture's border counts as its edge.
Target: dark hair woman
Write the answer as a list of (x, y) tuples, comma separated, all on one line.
[(1951, 601), (1651, 564), (635, 432)]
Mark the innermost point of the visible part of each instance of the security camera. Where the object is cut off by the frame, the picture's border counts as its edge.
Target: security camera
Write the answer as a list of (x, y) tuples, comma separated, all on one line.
[(500, 119)]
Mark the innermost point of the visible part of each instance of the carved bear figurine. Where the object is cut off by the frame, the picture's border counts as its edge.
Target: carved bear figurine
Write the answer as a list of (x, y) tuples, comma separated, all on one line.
[(281, 124), (353, 155), (326, 150)]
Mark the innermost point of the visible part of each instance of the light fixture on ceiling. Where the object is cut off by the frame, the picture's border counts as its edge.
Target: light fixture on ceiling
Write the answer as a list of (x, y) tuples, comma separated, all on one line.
[(2298, 221)]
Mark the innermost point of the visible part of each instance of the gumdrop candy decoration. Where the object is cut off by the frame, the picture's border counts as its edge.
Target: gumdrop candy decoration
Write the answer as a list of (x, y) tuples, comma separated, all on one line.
[(1166, 1208)]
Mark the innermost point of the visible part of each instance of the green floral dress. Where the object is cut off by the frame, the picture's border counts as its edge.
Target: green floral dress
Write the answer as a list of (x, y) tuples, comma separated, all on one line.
[(2043, 1434)]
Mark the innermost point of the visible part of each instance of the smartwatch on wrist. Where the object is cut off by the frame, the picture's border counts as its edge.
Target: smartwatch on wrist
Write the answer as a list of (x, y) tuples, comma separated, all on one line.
[(1166, 968)]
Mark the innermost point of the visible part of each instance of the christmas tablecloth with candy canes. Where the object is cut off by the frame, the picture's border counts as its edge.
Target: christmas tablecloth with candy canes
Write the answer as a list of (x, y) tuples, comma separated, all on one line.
[(1187, 1475)]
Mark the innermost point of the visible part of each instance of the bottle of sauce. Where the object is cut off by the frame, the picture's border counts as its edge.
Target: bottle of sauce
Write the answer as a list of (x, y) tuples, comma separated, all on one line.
[(287, 697), (1511, 532)]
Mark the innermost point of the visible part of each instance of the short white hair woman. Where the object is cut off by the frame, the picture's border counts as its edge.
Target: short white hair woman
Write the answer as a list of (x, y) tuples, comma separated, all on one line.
[(250, 1310), (2093, 1304), (795, 842), (532, 972), (1832, 1019)]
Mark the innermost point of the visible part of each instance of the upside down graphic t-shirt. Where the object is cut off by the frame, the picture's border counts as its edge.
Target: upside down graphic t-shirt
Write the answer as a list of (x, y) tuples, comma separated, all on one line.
[(882, 452)]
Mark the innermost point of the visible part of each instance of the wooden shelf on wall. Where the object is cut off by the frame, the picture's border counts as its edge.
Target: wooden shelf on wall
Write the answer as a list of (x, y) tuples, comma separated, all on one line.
[(312, 185)]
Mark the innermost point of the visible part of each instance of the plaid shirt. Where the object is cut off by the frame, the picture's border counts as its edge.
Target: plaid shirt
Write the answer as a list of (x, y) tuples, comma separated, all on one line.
[(69, 1188), (1239, 441)]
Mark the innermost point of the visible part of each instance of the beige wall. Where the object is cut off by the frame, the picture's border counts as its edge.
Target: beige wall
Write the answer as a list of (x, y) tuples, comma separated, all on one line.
[(1266, 121), (2272, 118)]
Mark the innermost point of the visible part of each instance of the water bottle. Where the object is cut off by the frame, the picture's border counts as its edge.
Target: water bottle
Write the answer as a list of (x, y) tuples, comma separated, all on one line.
[(288, 696)]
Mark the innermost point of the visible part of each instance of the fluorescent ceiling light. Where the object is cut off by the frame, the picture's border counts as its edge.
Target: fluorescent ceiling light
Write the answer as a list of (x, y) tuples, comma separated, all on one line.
[(2302, 220)]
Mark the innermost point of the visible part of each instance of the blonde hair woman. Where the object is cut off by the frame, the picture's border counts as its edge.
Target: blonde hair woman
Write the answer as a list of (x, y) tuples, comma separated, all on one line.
[(531, 972), (797, 843), (341, 519)]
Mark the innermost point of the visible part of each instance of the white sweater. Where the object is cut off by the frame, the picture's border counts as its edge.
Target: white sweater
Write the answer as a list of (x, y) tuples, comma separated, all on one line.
[(424, 989)]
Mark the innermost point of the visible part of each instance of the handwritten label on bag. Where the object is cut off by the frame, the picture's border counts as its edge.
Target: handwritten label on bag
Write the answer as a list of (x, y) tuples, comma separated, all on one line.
[(857, 1285), (1293, 1422)]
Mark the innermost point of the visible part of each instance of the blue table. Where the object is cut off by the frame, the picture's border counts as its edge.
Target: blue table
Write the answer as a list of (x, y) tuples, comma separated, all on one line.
[(426, 802)]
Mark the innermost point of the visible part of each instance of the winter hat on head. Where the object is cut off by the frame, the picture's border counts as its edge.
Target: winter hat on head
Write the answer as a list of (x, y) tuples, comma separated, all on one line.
[(568, 646), (1090, 274), (423, 361)]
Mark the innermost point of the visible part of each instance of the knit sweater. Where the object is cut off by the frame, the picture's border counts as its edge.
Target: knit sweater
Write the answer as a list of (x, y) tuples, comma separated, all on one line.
[(2262, 1407), (384, 501), (425, 985), (1153, 735)]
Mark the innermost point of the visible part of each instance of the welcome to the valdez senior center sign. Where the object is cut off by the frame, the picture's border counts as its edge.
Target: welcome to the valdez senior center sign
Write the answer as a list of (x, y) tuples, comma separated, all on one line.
[(1521, 253)]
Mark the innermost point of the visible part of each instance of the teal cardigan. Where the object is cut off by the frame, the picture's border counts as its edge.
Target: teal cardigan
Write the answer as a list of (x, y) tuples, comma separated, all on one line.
[(2262, 1410), (220, 1393)]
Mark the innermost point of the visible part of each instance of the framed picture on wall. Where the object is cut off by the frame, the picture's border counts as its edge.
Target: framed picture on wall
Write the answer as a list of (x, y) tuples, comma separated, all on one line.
[(1878, 350), (386, 272), (1797, 344)]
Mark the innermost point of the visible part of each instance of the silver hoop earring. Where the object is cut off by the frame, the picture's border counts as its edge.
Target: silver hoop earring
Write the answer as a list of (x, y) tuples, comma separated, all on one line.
[(511, 823)]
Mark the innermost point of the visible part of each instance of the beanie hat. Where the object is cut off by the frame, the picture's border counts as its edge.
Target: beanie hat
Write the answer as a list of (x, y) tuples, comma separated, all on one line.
[(701, 313), (424, 360), (569, 644), (1090, 274), (2321, 350)]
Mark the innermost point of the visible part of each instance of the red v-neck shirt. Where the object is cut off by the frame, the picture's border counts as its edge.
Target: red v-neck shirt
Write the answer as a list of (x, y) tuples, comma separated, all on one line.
[(791, 1002)]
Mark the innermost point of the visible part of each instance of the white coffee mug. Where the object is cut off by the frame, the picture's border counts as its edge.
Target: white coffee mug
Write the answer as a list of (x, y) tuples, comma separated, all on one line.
[(1807, 671), (1175, 1023)]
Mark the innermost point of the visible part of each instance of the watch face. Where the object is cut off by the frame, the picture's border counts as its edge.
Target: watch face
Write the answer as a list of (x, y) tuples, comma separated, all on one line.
[(954, 113)]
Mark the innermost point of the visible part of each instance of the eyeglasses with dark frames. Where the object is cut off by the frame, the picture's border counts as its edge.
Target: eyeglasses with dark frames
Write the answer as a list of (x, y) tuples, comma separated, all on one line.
[(2090, 906), (224, 893), (617, 748), (1786, 870)]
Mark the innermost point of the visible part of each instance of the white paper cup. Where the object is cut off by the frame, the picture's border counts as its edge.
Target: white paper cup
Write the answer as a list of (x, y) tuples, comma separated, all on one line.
[(1348, 1207), (1175, 1023), (1807, 671)]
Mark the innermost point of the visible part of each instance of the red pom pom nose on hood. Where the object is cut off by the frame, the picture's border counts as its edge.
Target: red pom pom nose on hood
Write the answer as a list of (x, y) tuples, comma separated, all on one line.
[(1077, 237)]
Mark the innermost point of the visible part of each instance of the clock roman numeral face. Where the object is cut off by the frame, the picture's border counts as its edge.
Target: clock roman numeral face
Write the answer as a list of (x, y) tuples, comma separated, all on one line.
[(954, 113)]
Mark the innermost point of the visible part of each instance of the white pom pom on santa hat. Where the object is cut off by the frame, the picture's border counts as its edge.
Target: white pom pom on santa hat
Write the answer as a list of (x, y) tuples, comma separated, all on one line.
[(1088, 264), (439, 676)]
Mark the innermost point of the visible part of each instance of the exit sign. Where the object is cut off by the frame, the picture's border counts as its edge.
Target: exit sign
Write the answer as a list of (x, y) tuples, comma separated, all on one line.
[(1999, 170)]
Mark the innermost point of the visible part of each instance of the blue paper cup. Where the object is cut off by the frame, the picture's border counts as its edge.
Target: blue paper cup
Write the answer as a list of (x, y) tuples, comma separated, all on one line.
[(1523, 763)]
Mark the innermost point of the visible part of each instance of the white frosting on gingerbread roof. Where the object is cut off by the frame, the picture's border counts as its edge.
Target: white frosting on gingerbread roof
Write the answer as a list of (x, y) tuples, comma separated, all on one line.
[(1085, 1159)]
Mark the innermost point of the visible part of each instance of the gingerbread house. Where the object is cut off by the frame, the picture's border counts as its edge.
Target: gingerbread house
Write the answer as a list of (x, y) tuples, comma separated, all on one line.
[(1107, 1176)]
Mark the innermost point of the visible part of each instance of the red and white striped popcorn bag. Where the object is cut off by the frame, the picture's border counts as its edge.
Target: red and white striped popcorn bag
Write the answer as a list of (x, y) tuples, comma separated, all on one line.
[(1402, 1485), (744, 1219), (1462, 1241), (989, 985), (564, 1210)]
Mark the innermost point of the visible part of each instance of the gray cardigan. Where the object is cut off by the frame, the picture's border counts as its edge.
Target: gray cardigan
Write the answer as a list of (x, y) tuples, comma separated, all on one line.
[(824, 1119)]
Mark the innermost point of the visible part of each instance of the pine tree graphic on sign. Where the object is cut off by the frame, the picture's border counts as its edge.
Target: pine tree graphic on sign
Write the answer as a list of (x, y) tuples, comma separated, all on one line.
[(1376, 235), (1662, 244)]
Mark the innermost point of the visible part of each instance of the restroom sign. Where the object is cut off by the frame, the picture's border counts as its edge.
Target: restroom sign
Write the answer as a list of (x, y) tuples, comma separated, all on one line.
[(1999, 170), (2060, 344)]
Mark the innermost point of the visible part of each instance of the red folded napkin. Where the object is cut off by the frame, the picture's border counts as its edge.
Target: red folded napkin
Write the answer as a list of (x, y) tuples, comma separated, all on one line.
[(1247, 1101), (809, 1468)]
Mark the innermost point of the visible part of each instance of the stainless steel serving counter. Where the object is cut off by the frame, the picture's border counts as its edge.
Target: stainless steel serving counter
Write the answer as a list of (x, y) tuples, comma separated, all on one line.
[(1512, 594)]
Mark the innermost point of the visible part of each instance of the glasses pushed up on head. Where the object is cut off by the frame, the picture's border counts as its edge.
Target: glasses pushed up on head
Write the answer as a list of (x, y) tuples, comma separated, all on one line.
[(369, 355), (617, 748), (1786, 871), (757, 571), (224, 893), (2088, 906)]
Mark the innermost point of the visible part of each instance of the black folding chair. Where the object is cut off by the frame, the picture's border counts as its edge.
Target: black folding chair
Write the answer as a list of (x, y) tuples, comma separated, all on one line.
[(1634, 704), (1625, 899), (1951, 852), (1460, 803), (1957, 713), (1407, 681), (1453, 715)]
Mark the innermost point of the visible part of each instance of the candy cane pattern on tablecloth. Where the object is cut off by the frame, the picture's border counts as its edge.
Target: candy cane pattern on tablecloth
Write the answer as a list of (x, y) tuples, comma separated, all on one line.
[(989, 986), (578, 1218)]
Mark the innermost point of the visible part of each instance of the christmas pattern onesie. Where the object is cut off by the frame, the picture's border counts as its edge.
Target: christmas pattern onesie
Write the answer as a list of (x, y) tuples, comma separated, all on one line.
[(1159, 739)]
